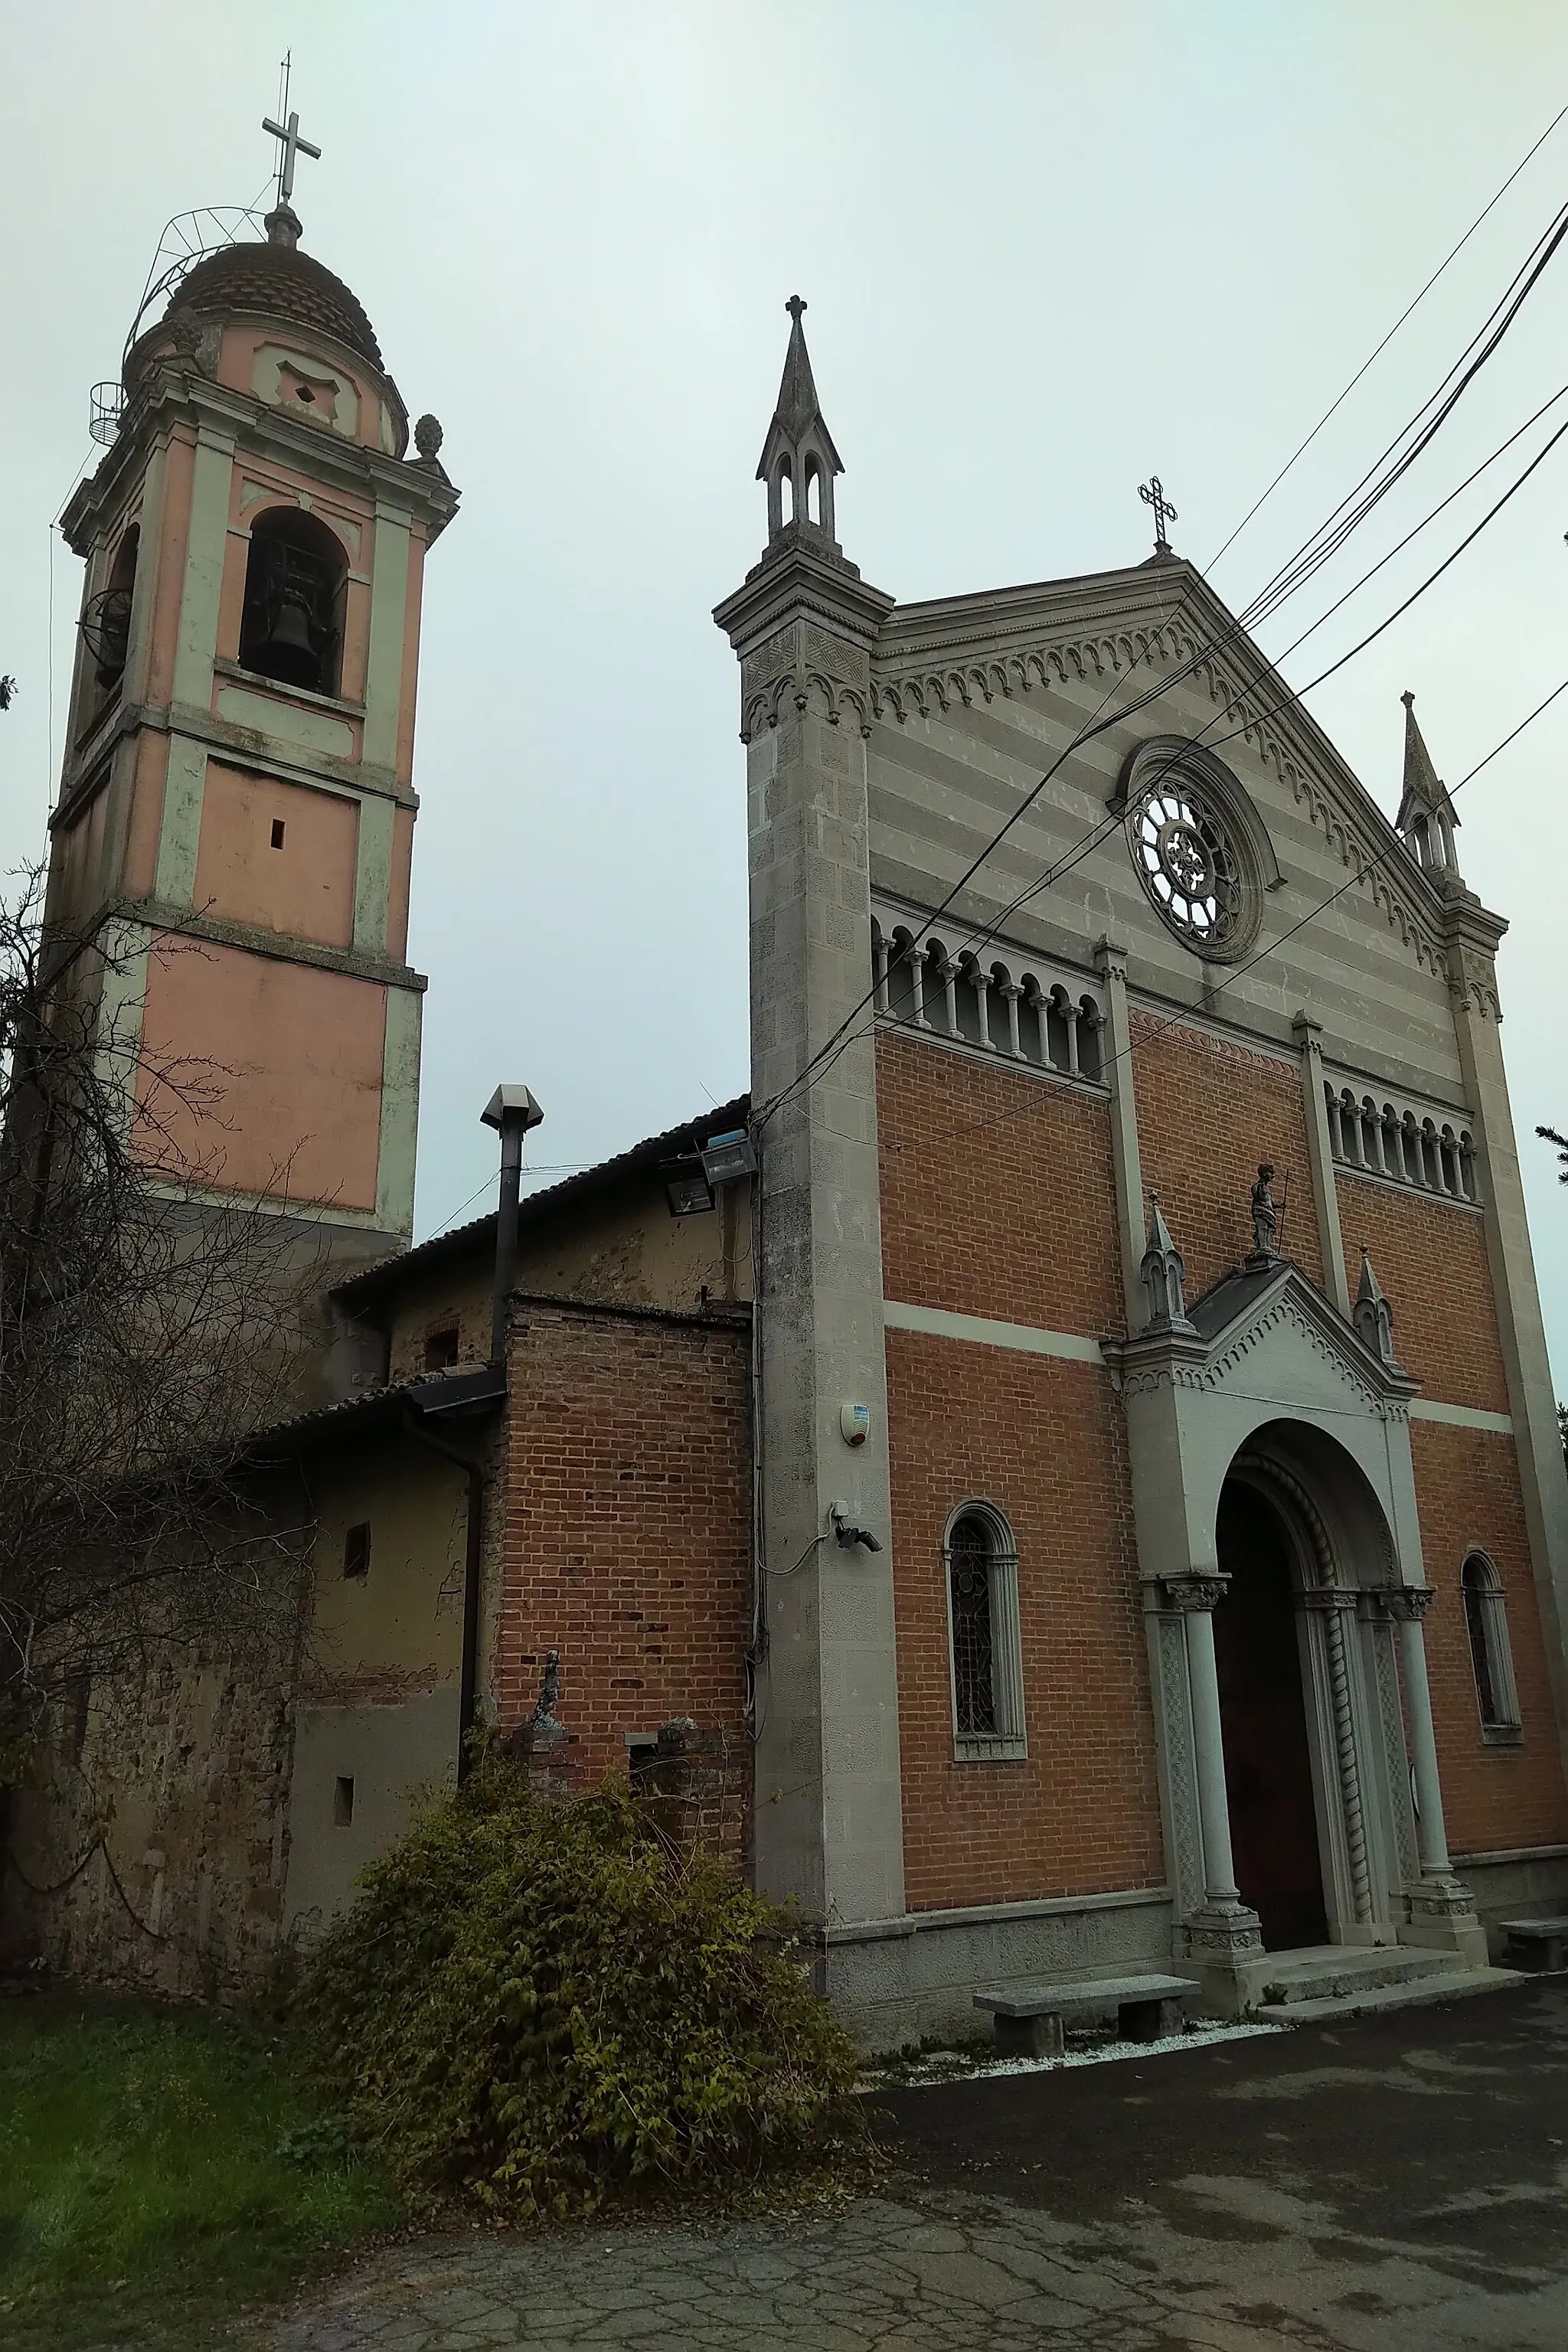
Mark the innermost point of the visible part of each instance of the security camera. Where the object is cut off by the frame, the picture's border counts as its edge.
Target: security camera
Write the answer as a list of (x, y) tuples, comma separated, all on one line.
[(849, 1535)]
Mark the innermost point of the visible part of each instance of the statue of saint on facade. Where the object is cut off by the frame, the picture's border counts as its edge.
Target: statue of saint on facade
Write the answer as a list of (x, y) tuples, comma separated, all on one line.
[(1265, 1216)]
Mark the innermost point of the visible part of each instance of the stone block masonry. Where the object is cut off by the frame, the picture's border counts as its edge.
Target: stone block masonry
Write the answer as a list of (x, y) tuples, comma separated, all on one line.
[(625, 1530)]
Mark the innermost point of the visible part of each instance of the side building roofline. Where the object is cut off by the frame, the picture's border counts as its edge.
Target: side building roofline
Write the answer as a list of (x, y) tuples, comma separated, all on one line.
[(360, 1293), (467, 1389)]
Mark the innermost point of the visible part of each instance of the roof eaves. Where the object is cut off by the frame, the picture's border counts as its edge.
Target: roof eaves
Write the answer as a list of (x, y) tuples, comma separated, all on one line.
[(369, 1282)]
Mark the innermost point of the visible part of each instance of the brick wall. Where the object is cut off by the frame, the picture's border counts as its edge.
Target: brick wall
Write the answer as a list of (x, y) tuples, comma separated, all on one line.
[(1040, 1439), (997, 1194), (1209, 1112), (1432, 1263), (626, 1534), (1466, 1491)]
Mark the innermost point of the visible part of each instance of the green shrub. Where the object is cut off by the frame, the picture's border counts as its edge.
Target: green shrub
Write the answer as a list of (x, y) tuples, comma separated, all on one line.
[(538, 2004)]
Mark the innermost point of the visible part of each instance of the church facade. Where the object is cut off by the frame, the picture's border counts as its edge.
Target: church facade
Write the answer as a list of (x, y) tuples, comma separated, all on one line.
[(1124, 1520), (1143, 1269)]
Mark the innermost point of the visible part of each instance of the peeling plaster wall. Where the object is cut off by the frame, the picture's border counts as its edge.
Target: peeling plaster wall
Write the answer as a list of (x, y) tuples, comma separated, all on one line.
[(378, 1703), (178, 1796)]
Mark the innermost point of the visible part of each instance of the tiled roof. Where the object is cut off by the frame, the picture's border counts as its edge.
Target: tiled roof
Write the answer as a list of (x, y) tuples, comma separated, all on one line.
[(362, 1289), (431, 1393), (283, 283)]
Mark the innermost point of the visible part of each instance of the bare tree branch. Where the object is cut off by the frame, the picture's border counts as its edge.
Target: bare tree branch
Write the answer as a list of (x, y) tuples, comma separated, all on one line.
[(146, 1332)]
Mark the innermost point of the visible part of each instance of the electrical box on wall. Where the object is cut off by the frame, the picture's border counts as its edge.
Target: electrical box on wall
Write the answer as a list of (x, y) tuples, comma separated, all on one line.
[(855, 1422)]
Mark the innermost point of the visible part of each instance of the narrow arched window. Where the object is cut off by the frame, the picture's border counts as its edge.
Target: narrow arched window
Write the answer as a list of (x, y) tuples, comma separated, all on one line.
[(1491, 1658), (984, 1649), (291, 626)]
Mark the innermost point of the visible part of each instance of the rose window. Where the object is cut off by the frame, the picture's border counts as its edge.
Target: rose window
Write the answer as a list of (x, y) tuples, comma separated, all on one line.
[(1191, 865)]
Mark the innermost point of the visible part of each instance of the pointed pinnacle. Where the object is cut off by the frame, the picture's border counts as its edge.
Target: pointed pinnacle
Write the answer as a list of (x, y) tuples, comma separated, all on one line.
[(797, 407), (1159, 1232), (1422, 782), (1368, 1286)]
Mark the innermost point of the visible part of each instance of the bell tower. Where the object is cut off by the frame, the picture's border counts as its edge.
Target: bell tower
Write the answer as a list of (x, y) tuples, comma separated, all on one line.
[(236, 811)]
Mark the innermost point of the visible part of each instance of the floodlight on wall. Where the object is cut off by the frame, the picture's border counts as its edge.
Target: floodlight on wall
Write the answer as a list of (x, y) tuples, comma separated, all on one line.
[(729, 1156), (689, 1196)]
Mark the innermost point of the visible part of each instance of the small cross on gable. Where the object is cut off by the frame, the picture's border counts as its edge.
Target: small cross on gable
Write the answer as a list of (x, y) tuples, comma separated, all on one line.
[(1152, 494)]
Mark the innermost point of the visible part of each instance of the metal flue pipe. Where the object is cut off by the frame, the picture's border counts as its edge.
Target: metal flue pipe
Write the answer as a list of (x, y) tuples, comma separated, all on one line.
[(511, 1110)]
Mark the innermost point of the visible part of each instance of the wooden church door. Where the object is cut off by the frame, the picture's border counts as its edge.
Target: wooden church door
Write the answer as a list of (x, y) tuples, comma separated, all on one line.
[(1268, 1766)]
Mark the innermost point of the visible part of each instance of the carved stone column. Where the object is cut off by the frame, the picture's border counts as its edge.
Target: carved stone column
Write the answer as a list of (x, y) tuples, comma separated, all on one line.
[(1335, 1607), (1442, 1909), (1225, 1925)]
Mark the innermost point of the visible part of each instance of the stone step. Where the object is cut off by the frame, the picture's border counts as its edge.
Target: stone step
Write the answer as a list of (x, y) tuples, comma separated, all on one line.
[(1344, 1971), (1448, 1983)]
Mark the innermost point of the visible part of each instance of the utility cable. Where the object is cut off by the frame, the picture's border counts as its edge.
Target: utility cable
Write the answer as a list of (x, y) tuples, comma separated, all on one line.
[(1102, 830), (1376, 353), (1363, 869), (1529, 274)]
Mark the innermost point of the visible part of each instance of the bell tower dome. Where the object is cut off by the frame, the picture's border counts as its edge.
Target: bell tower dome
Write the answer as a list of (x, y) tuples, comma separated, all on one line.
[(236, 802)]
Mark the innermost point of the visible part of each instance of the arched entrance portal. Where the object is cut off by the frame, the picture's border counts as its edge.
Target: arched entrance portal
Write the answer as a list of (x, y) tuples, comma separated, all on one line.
[(1268, 1761)]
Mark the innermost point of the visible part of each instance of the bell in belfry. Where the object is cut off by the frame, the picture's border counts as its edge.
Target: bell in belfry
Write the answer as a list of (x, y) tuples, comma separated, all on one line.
[(289, 631)]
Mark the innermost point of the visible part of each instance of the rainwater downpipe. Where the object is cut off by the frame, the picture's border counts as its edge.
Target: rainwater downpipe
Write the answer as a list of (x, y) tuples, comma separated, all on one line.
[(512, 1110)]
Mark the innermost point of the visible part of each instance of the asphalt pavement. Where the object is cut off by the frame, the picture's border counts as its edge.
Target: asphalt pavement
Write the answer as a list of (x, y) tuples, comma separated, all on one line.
[(1389, 2184)]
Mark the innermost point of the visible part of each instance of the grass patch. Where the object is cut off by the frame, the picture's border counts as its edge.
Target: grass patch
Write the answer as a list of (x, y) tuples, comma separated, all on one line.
[(158, 2170)]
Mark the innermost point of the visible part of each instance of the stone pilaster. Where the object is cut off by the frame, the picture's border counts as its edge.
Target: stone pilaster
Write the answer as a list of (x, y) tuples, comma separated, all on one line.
[(1111, 961), (828, 1799), (1325, 1198), (1472, 940)]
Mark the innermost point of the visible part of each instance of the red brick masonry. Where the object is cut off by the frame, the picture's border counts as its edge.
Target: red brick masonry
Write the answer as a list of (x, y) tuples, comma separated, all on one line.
[(626, 1534)]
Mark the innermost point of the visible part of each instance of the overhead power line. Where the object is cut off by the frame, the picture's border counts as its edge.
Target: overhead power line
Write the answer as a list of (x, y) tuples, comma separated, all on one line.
[(1358, 874), (1501, 317), (1378, 349)]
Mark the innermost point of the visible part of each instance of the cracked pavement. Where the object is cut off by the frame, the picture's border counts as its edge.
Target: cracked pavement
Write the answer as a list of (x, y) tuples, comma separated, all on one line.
[(1394, 2184)]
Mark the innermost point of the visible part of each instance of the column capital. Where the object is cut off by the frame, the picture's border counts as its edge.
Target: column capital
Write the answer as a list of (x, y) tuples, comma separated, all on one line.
[(1199, 1592), (1403, 1604), (1327, 1599)]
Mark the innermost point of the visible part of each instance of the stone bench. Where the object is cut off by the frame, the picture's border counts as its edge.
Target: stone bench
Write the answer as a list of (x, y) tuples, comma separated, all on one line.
[(1537, 1943), (1028, 2019)]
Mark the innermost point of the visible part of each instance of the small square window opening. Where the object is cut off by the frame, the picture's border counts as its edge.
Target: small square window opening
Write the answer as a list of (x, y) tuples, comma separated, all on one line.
[(277, 832), (356, 1550), (441, 1350), (343, 1802)]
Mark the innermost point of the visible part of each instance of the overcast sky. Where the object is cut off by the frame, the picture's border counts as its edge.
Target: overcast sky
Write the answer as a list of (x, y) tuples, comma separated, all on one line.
[(1048, 248)]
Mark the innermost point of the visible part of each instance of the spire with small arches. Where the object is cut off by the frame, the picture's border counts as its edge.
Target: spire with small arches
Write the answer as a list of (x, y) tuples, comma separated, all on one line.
[(798, 460)]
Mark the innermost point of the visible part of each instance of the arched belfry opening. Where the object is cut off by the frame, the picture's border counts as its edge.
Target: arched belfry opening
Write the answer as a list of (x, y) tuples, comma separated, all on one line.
[(291, 623)]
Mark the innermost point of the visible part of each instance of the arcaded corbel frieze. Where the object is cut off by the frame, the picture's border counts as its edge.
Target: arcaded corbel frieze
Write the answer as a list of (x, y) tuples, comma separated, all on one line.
[(1473, 936), (1365, 845)]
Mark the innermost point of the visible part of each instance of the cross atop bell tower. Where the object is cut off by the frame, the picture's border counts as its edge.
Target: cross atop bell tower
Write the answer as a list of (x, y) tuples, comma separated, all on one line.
[(283, 224)]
